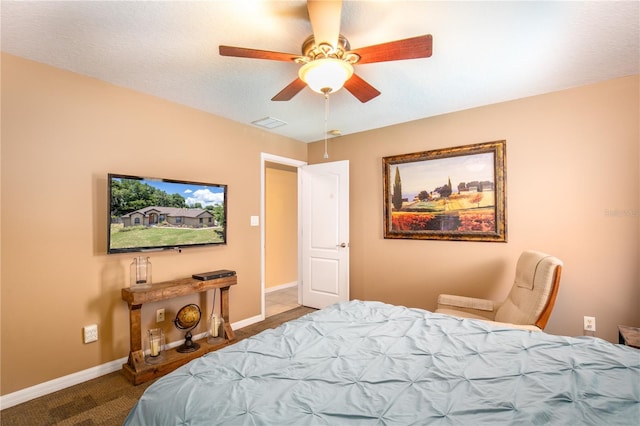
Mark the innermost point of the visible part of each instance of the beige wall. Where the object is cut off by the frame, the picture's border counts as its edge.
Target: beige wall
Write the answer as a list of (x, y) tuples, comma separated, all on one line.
[(281, 225), (573, 189), (61, 134), (572, 160)]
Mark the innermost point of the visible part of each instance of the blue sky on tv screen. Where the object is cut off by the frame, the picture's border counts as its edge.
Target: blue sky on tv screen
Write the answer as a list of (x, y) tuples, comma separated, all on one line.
[(206, 195)]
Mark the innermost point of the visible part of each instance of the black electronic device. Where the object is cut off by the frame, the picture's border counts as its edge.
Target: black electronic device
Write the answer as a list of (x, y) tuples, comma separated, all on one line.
[(221, 273)]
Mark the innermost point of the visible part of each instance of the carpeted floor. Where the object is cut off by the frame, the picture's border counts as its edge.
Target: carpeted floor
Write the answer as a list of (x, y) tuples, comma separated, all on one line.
[(108, 399), (102, 401)]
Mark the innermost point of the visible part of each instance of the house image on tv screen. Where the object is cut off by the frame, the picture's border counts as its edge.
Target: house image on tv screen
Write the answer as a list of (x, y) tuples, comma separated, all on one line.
[(169, 216)]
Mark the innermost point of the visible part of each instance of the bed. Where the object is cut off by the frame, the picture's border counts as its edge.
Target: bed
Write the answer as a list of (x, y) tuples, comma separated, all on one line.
[(372, 363)]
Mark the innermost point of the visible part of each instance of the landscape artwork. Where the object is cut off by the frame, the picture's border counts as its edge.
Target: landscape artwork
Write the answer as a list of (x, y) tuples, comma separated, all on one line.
[(446, 194)]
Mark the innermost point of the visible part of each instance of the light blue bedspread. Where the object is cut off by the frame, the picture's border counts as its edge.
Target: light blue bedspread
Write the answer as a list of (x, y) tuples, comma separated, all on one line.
[(372, 363)]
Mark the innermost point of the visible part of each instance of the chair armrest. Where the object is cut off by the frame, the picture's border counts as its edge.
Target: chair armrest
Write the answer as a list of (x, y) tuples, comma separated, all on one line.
[(449, 300), (466, 307)]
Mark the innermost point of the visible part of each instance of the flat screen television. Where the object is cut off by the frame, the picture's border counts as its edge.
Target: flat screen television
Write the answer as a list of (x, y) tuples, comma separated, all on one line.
[(148, 214)]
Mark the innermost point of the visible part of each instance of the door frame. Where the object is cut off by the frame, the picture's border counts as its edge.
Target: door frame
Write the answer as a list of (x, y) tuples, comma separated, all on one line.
[(270, 158)]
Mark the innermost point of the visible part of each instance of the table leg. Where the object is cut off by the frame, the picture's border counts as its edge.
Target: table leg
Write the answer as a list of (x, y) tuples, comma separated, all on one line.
[(224, 312), (135, 333)]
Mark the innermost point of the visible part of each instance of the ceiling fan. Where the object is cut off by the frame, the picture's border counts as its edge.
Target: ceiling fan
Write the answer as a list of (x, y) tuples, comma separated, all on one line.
[(327, 59)]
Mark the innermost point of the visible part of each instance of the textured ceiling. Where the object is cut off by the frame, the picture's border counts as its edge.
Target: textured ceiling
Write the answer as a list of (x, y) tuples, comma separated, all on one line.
[(483, 53)]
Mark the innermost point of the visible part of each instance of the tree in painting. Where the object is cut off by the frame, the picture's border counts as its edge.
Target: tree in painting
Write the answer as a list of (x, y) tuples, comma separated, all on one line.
[(397, 191)]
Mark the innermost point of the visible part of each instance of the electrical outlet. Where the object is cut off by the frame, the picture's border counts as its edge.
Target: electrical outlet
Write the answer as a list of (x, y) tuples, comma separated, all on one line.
[(590, 324), (91, 333), (160, 315)]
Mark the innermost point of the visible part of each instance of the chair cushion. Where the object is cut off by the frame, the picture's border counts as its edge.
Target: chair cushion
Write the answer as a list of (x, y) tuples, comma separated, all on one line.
[(469, 315), (526, 269), (531, 289)]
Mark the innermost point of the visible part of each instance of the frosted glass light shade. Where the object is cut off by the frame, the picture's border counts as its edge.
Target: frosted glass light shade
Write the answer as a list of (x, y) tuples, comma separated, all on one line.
[(326, 75)]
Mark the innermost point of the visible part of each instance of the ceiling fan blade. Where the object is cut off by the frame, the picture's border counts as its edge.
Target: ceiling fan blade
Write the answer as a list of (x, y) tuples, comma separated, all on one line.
[(361, 89), (410, 48), (325, 20), (243, 52), (290, 91)]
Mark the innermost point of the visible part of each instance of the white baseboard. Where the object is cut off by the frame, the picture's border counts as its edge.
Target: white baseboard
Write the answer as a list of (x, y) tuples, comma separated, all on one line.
[(281, 287), (42, 389), (247, 322)]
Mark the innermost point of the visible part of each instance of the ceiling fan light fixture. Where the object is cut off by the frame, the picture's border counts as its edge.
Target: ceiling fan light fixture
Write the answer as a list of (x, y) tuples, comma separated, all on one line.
[(326, 75)]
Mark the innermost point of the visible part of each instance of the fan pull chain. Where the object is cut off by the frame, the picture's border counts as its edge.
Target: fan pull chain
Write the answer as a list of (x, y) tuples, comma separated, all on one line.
[(326, 118)]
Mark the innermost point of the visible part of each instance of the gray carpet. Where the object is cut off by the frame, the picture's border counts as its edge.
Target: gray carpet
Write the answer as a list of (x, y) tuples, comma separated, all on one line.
[(102, 401)]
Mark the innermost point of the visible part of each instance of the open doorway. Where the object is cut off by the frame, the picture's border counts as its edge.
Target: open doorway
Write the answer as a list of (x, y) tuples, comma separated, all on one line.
[(279, 234)]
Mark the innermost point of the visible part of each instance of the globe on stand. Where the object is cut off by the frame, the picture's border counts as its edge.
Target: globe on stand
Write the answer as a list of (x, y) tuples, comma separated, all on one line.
[(187, 319)]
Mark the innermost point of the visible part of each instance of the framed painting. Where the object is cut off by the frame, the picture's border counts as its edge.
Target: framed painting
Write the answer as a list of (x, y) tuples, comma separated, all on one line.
[(447, 194)]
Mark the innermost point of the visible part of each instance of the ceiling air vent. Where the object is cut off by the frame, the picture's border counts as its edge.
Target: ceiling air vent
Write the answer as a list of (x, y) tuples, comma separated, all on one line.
[(269, 123)]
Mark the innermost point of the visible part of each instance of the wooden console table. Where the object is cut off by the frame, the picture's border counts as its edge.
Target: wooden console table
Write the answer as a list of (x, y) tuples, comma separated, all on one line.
[(137, 370)]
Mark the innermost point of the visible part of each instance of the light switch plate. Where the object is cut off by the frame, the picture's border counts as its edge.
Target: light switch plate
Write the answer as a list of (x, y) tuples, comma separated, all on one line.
[(255, 220), (91, 333)]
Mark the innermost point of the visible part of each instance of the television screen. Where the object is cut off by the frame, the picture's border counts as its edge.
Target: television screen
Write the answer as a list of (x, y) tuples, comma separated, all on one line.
[(159, 214)]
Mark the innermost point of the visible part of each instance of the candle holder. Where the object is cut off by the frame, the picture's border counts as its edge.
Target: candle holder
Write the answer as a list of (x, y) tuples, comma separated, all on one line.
[(140, 273), (155, 346), (215, 329), (215, 325)]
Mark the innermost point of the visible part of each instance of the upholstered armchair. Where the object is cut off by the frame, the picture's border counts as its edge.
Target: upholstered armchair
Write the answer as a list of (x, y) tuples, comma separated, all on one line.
[(529, 303)]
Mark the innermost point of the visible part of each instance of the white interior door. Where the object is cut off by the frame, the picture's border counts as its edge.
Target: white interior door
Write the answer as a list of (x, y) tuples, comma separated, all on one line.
[(325, 233)]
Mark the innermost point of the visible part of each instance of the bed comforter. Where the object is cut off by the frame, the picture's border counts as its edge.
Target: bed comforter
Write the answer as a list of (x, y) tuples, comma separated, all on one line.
[(373, 363)]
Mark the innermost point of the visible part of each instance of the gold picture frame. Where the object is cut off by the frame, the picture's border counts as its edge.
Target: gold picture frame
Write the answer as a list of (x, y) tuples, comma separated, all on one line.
[(447, 194)]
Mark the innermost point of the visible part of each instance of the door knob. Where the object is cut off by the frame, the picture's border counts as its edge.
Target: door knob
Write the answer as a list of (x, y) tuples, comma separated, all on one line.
[(343, 245)]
